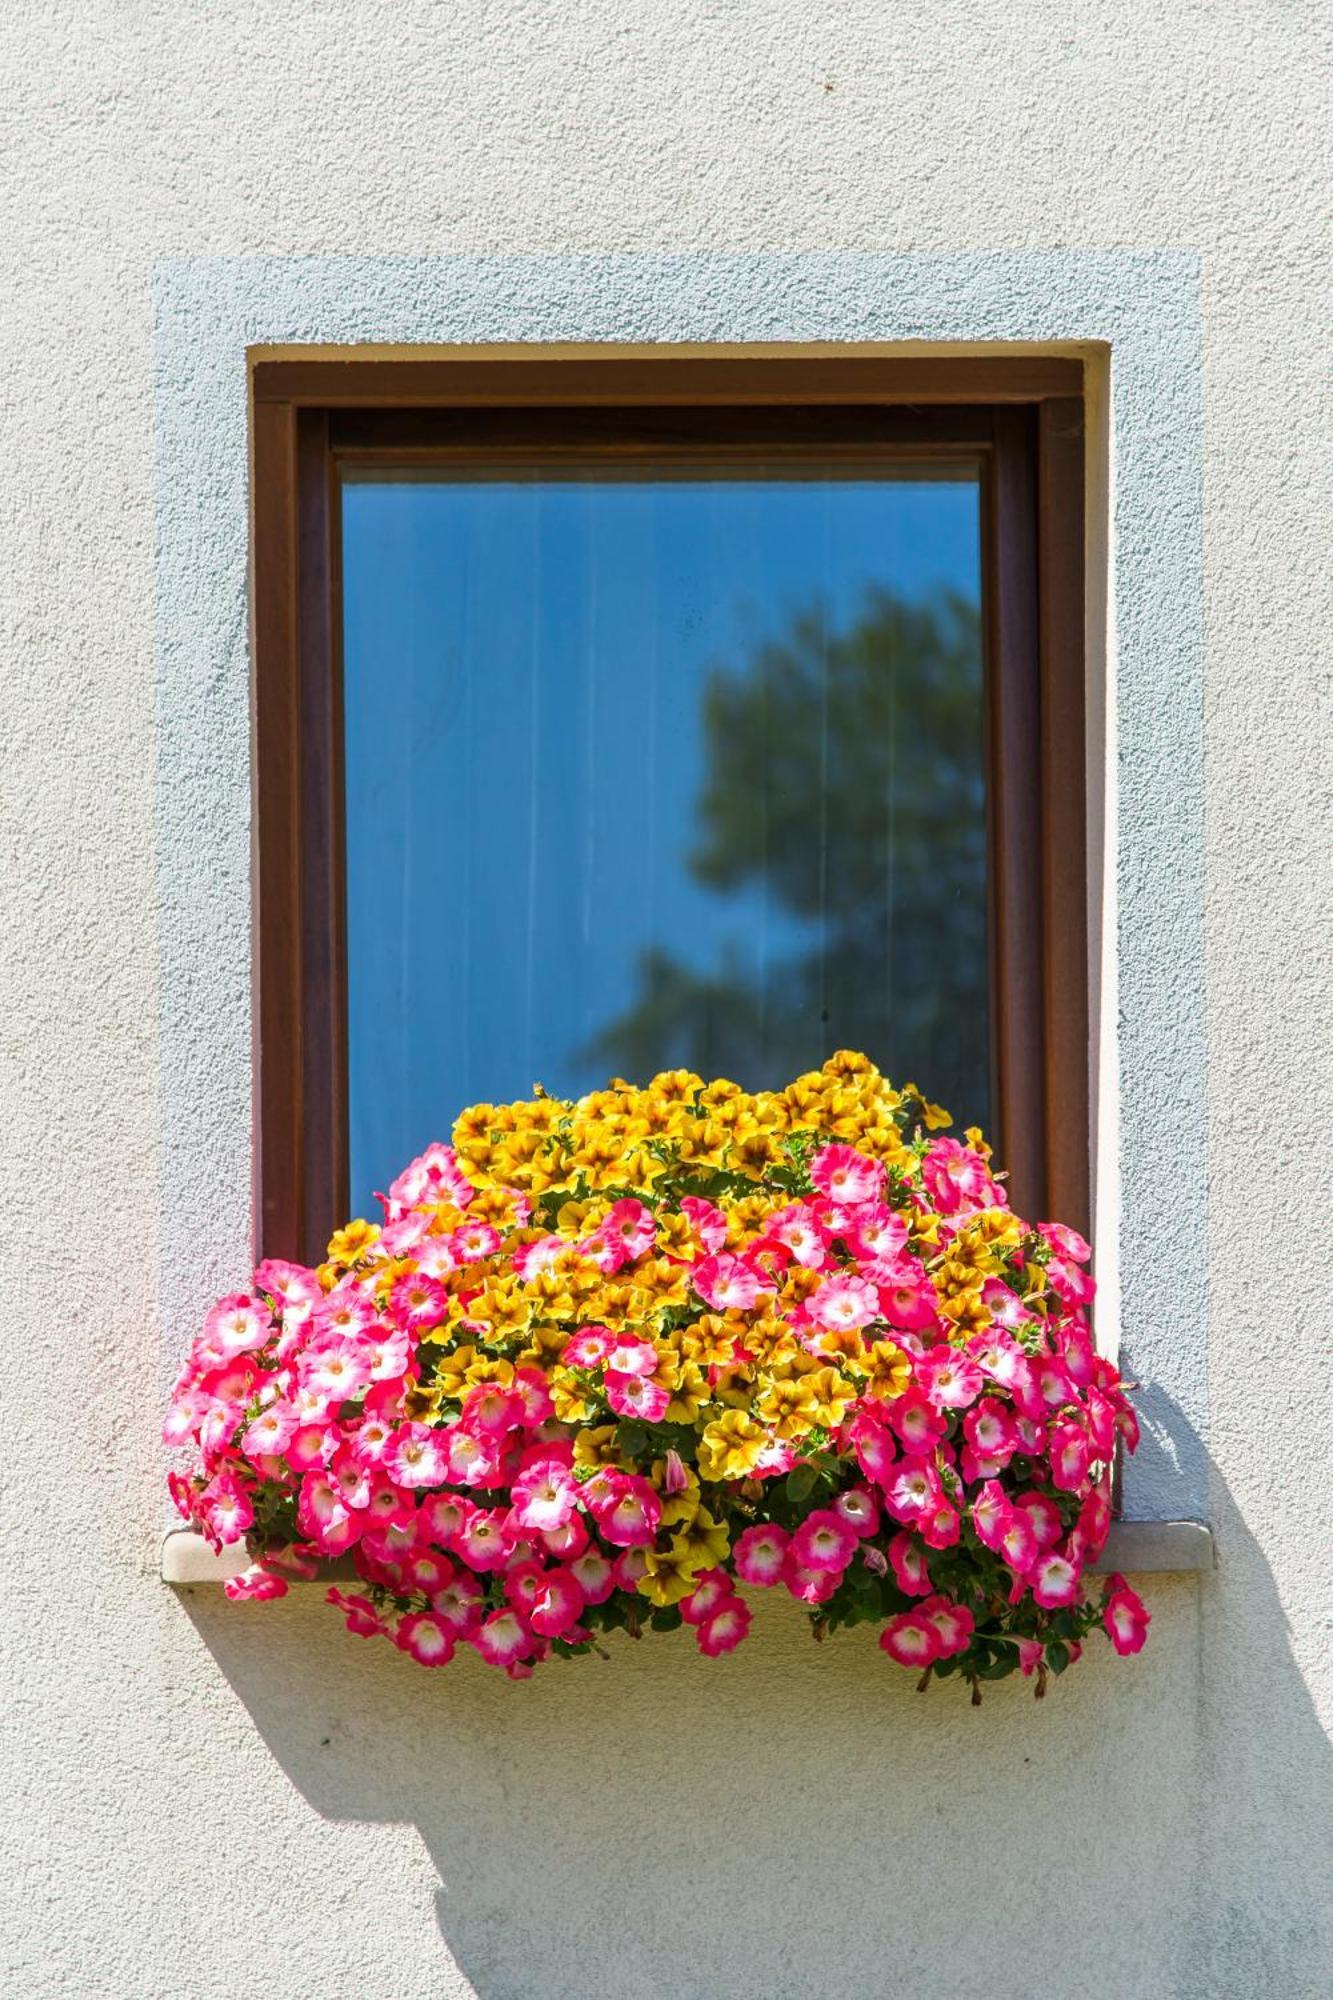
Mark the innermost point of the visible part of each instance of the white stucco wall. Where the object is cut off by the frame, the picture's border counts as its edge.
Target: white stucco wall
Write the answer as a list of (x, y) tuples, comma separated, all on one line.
[(206, 1800)]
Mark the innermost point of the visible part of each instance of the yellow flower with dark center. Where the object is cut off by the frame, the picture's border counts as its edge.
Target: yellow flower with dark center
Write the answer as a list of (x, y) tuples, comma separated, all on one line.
[(712, 1340), (888, 1372), (690, 1392), (731, 1446), (348, 1245), (596, 1445), (580, 1218), (421, 1401), (787, 1407), (831, 1396), (675, 1086), (670, 1574), (474, 1123), (567, 1399), (705, 1542)]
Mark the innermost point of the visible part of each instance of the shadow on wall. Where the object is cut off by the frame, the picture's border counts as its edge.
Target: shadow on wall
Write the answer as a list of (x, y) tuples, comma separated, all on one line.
[(796, 1820)]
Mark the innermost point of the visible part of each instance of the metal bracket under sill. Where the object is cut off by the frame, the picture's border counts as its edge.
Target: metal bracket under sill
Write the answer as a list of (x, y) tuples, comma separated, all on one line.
[(1142, 1548)]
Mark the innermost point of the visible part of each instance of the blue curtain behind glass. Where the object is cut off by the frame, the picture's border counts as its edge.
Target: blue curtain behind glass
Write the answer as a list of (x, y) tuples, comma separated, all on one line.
[(652, 771)]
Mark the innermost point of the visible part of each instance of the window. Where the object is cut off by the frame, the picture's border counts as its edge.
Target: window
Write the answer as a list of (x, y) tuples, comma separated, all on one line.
[(624, 713)]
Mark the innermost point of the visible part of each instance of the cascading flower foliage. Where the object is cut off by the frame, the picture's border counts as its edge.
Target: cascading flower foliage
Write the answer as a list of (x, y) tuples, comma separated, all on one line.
[(605, 1362)]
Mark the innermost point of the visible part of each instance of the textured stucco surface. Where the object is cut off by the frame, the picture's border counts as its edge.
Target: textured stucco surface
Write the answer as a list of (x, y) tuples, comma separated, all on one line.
[(204, 1801)]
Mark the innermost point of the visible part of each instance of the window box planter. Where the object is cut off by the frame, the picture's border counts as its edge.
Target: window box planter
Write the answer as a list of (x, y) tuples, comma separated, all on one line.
[(605, 1362)]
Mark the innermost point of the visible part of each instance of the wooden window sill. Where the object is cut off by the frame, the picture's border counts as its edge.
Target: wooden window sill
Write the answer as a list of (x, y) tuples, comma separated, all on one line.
[(1141, 1548)]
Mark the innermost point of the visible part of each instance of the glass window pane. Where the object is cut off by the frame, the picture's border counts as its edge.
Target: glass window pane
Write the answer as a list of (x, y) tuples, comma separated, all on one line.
[(647, 770)]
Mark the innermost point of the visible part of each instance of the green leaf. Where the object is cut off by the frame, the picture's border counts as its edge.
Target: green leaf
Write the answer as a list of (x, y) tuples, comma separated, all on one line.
[(666, 1618), (801, 1481), (632, 1437)]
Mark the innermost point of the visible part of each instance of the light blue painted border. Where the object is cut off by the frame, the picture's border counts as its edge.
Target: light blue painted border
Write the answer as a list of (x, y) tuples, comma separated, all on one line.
[(209, 310)]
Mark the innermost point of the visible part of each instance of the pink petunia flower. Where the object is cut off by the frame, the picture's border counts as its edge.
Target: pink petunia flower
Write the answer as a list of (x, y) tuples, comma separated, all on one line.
[(362, 1618), (858, 1507), (545, 1494), (1044, 1515), (324, 1517), (467, 1460), (950, 1380), (912, 1639), (225, 1509), (712, 1590), (954, 1624), (1126, 1618), (797, 1228), (908, 1555), (760, 1553), (843, 1303), (1071, 1455), (417, 1456), (236, 1325), (1031, 1653), (990, 1511), (941, 1525), (913, 1490), (254, 1585), (907, 1298), (485, 1541), (723, 1632), (726, 1282), (594, 1574), (270, 1433), (844, 1175), (626, 1234), (589, 1347), (490, 1412), (1018, 1542), (1072, 1286), (502, 1639), (1054, 1581), (633, 1513), (810, 1586), (570, 1539), (556, 1605), (918, 1421), (706, 1220), (335, 1372), (958, 1180), (459, 1603), (444, 1516), (989, 1429), (824, 1541), (876, 1238), (636, 1396), (426, 1637)]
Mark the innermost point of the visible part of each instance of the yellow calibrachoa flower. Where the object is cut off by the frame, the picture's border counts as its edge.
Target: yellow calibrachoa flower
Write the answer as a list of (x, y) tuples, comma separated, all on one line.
[(670, 1574), (348, 1245), (731, 1446)]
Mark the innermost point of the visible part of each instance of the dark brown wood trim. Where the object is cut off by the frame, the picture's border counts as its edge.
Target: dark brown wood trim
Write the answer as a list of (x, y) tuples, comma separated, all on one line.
[(1014, 683), (299, 951), (1061, 565), (618, 375), (791, 430), (308, 422)]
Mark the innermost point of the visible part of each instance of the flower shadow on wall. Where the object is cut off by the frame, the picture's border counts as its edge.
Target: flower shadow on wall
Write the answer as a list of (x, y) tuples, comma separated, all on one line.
[(795, 1820)]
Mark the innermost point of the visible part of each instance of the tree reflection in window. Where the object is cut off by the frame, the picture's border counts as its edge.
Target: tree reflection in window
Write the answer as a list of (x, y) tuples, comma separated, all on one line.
[(646, 770)]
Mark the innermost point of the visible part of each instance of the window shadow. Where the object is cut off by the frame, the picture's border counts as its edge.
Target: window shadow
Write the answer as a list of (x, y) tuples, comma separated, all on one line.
[(796, 1820)]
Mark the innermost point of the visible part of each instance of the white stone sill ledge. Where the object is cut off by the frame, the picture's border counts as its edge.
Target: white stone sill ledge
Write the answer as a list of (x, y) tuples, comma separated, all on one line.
[(1142, 1548)]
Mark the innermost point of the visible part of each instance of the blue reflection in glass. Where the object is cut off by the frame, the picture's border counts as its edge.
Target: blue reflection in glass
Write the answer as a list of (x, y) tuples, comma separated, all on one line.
[(648, 771)]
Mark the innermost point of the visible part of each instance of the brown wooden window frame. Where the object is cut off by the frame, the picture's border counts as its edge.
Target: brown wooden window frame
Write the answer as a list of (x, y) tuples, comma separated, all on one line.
[(1022, 417)]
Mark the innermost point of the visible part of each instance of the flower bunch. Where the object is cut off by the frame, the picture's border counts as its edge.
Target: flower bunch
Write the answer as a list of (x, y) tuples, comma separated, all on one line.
[(603, 1363)]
